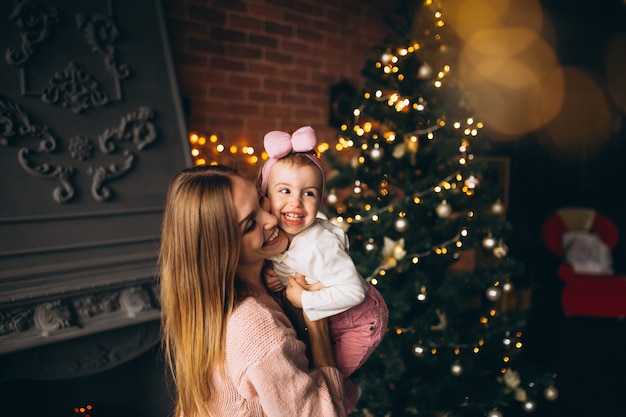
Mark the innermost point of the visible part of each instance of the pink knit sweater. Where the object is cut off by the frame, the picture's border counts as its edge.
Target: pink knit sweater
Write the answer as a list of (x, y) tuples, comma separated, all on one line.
[(267, 372)]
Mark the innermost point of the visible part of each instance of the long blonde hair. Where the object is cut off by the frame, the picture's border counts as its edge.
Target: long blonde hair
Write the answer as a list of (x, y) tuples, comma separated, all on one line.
[(200, 245)]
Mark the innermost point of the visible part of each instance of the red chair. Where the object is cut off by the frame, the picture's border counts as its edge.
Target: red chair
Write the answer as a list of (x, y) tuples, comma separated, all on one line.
[(591, 287)]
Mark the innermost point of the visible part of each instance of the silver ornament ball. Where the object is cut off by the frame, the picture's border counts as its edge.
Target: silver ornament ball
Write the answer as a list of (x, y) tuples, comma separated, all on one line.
[(401, 225)]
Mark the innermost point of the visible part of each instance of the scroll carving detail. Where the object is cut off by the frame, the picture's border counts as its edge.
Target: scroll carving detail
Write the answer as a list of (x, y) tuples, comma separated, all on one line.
[(34, 23), (135, 130), (73, 88)]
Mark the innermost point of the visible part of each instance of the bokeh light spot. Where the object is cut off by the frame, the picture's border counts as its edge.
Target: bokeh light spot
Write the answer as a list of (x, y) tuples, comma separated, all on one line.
[(583, 126)]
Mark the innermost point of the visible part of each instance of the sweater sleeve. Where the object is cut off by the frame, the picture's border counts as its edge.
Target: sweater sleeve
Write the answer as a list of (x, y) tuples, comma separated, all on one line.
[(329, 263), (268, 365)]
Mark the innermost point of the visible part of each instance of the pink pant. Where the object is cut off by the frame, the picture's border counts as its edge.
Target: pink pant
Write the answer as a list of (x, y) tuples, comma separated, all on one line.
[(357, 332)]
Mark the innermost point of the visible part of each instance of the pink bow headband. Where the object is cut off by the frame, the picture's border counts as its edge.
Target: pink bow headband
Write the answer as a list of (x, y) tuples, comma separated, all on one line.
[(280, 144)]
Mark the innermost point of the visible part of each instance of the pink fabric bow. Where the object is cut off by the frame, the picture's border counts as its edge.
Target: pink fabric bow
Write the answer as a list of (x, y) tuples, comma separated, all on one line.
[(280, 144)]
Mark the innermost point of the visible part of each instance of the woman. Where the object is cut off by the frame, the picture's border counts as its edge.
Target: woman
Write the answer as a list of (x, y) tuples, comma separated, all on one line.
[(231, 349)]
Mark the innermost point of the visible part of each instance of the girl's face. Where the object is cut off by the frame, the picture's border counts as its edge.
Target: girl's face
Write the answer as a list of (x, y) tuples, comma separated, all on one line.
[(294, 192), (261, 237)]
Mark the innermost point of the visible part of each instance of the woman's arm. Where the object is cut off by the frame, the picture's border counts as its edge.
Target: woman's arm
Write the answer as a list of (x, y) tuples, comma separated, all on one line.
[(319, 340), (269, 366)]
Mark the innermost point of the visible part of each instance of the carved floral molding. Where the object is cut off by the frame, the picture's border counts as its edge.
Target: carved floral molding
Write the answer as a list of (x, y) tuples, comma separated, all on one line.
[(72, 87), (135, 131), (50, 317)]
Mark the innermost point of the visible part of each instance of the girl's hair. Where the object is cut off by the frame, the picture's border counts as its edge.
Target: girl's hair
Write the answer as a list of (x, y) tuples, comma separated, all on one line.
[(200, 245), (297, 159)]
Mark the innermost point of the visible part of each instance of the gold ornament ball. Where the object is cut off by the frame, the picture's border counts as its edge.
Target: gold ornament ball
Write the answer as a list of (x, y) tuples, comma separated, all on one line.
[(494, 413), (443, 210), (551, 393), (498, 207), (501, 250)]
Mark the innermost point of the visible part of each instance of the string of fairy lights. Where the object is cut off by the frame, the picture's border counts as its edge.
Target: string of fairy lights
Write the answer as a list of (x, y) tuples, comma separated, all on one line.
[(210, 150)]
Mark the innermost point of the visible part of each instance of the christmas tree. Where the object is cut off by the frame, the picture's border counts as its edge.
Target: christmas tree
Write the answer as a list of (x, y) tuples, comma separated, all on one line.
[(424, 207)]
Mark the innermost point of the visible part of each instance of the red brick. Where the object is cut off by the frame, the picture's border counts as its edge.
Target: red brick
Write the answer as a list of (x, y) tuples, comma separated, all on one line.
[(278, 29), (279, 85), (310, 61), (244, 22), (236, 51), (295, 46), (227, 35), (206, 107), (309, 35), (309, 114), (263, 125), (284, 4), (276, 111), (279, 58), (227, 93), (228, 64), (298, 19), (185, 26), (225, 122), (295, 73), (259, 68), (245, 110), (310, 9), (261, 40), (237, 5), (263, 96), (321, 101), (323, 78), (263, 11), (206, 14), (206, 46), (244, 80), (308, 88), (292, 99)]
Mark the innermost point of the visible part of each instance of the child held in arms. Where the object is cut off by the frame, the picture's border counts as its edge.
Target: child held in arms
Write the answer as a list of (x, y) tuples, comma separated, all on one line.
[(294, 180)]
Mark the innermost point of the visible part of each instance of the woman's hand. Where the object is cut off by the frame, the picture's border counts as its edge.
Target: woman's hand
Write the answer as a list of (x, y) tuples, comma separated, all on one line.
[(317, 331), (297, 285)]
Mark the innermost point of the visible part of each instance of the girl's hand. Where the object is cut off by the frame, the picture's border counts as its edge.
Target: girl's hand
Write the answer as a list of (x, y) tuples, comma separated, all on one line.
[(295, 289), (272, 281), (296, 286)]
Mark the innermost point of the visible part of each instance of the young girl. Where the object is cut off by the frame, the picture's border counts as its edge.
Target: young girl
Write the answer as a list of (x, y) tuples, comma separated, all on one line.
[(293, 179)]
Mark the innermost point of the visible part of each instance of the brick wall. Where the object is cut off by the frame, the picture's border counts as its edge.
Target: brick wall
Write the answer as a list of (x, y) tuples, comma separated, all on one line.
[(247, 67)]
